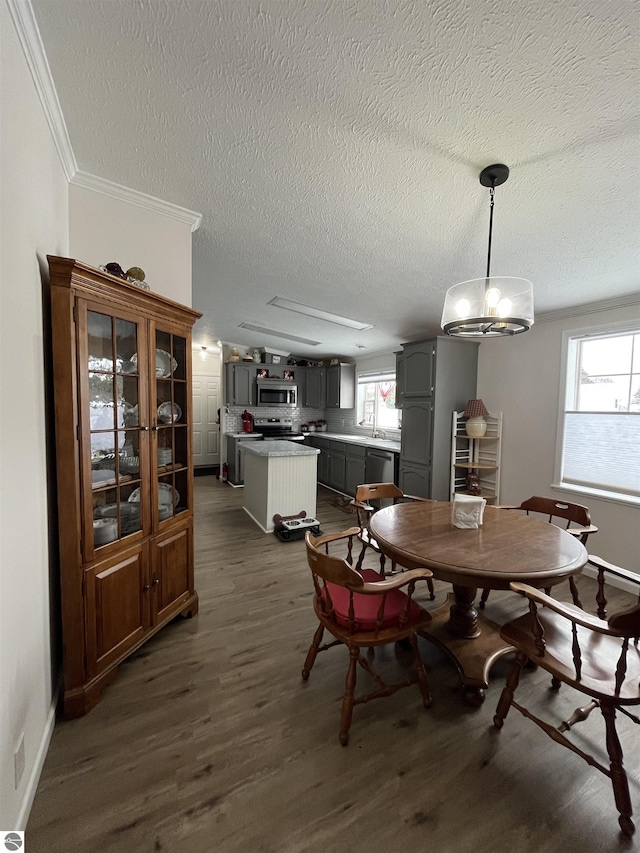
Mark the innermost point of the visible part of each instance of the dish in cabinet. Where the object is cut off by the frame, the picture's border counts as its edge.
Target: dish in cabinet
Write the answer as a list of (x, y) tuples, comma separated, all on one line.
[(165, 363), (169, 412), (166, 495)]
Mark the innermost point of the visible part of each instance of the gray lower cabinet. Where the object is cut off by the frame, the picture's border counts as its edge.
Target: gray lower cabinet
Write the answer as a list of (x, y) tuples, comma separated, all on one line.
[(354, 468), (437, 377), (337, 461), (415, 480)]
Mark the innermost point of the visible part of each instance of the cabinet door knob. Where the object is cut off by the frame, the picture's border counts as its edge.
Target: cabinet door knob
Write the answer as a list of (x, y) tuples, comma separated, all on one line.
[(146, 587), (144, 428), (156, 581)]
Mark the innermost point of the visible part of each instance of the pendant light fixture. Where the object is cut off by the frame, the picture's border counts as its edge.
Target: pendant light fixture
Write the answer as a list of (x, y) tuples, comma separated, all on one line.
[(489, 307)]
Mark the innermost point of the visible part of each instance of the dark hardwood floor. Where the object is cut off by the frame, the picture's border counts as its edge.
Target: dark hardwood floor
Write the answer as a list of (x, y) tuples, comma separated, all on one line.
[(208, 741)]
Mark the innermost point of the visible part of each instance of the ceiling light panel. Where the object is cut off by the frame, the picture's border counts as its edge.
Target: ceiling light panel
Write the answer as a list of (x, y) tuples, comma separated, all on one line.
[(276, 334), (317, 314)]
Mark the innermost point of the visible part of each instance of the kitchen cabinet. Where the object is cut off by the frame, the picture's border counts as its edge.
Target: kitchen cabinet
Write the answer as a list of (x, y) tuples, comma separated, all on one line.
[(124, 465), (438, 377), (240, 383), (235, 457), (340, 386), (323, 459), (337, 462), (400, 379), (354, 468), (315, 388), (417, 371)]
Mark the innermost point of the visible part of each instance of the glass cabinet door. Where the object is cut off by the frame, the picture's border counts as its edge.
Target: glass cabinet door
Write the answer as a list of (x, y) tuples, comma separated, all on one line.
[(114, 426), (170, 425)]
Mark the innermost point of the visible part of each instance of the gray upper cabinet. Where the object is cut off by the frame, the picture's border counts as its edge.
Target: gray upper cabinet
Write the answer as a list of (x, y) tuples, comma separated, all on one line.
[(314, 388), (341, 386), (418, 370), (399, 379), (438, 377), (240, 384)]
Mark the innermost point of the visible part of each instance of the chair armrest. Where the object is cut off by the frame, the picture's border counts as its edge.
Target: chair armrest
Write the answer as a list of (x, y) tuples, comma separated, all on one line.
[(569, 611), (334, 537), (361, 505), (580, 531), (625, 574), (394, 582)]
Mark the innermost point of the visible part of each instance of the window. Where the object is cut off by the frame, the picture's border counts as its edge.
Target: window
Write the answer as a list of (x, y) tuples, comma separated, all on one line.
[(377, 400), (600, 419)]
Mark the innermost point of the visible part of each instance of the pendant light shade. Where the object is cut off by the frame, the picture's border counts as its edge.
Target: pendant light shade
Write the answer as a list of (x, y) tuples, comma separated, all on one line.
[(492, 306)]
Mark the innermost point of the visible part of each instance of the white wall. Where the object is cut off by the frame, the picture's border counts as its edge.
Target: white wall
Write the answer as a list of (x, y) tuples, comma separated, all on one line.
[(104, 229), (33, 222), (520, 377)]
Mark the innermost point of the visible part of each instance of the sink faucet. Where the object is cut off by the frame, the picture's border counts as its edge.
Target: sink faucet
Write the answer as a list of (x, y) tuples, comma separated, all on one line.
[(374, 432)]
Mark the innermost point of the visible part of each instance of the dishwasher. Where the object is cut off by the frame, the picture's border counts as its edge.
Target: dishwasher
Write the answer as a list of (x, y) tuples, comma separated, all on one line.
[(380, 466)]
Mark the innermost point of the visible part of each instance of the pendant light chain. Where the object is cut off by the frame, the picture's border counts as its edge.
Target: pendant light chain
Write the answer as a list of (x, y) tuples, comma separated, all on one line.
[(492, 191)]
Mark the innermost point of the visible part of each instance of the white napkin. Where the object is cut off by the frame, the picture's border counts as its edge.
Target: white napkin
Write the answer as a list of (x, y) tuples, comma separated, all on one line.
[(467, 511)]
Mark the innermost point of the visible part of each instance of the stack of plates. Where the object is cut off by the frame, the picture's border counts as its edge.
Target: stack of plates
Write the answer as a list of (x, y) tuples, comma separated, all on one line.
[(165, 455)]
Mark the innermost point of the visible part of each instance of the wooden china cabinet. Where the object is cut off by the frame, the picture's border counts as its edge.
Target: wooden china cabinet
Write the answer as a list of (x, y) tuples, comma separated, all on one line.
[(122, 384)]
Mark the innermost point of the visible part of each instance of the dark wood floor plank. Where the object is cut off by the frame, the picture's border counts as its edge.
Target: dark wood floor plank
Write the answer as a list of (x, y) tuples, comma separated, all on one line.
[(208, 740)]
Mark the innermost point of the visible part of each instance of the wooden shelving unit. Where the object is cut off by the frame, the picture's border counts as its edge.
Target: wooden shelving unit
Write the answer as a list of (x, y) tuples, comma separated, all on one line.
[(478, 455)]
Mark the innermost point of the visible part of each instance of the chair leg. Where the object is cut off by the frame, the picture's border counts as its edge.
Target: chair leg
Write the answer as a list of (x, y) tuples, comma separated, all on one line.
[(507, 694), (618, 773), (382, 562), (348, 698), (313, 652), (483, 598), (432, 593), (423, 682)]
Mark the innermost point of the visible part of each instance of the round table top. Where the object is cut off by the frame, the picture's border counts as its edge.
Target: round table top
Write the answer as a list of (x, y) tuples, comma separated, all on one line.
[(510, 546)]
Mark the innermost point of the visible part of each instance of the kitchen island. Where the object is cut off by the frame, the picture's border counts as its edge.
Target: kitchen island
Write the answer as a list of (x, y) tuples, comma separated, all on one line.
[(280, 477)]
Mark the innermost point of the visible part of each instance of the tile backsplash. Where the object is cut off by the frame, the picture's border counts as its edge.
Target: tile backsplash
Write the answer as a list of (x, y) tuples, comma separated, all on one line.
[(341, 421), (232, 421)]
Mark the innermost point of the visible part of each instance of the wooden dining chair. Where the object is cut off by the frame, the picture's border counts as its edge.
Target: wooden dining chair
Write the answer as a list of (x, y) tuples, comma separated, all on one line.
[(360, 609), (574, 518), (366, 503), (598, 657)]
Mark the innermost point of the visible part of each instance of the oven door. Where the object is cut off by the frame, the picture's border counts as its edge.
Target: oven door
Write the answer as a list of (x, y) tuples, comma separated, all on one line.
[(279, 395)]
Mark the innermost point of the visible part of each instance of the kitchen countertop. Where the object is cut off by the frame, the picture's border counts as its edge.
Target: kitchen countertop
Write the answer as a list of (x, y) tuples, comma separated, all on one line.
[(279, 448), (244, 434), (364, 441)]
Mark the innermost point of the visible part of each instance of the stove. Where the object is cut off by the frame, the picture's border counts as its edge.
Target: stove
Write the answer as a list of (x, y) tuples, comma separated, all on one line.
[(273, 429)]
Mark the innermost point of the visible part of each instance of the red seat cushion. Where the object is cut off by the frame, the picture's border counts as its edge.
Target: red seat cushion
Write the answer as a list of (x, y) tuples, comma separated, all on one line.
[(366, 606)]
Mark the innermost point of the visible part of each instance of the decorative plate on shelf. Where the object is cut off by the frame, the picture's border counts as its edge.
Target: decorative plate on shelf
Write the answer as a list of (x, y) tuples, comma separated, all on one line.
[(169, 412), (166, 495), (165, 363)]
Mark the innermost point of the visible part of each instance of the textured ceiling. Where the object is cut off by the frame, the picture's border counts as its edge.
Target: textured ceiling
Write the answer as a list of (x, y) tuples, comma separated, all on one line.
[(334, 148)]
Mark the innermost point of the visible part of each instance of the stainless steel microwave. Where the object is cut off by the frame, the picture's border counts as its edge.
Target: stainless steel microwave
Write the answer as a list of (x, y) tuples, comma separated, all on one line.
[(272, 393)]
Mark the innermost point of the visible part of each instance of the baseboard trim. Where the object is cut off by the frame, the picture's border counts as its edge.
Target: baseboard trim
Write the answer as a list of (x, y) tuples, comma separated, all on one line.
[(38, 764)]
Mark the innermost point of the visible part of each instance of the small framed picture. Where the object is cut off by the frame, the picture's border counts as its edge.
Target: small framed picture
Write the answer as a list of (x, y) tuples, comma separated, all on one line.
[(262, 373), (275, 359), (287, 374)]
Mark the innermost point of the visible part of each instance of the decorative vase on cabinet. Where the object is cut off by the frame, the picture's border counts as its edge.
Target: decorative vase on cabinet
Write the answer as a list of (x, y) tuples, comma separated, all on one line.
[(122, 375)]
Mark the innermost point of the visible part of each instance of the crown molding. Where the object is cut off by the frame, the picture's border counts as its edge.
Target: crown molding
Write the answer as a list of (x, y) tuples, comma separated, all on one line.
[(628, 301), (27, 29), (24, 20), (149, 202)]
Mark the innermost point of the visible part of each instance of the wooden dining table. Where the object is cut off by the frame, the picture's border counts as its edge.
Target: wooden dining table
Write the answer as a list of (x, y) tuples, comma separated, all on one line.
[(509, 546)]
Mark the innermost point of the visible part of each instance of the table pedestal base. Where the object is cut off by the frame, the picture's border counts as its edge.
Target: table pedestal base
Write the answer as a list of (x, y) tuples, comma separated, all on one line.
[(473, 657)]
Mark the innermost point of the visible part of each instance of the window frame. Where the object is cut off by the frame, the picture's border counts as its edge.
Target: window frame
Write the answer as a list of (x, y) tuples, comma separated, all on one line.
[(365, 377), (568, 372)]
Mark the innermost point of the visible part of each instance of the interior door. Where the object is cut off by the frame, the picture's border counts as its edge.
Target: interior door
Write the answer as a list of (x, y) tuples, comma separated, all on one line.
[(206, 429)]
